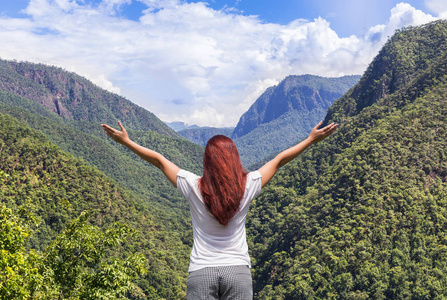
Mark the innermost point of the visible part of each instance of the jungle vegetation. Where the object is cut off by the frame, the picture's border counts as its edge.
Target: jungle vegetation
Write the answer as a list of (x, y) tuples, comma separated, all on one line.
[(361, 215)]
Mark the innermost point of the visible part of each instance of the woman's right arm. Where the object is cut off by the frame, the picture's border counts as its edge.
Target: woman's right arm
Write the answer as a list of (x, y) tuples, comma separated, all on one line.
[(269, 169), (168, 168)]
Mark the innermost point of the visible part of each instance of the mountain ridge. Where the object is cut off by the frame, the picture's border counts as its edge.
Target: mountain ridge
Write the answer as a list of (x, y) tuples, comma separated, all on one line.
[(74, 97), (60, 187), (286, 113), (358, 215), (303, 93)]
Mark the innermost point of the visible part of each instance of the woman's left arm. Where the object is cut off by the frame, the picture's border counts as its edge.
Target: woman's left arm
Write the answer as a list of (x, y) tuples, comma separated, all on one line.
[(270, 168), (168, 168)]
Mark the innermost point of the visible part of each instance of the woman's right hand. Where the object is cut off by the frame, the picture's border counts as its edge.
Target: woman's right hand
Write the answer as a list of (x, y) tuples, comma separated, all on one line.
[(118, 136), (317, 135)]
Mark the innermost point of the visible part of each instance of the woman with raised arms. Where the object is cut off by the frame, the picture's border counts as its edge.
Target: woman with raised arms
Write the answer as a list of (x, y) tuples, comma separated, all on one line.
[(219, 200)]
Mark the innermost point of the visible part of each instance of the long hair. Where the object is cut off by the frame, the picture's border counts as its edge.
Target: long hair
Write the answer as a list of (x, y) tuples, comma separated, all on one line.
[(224, 177)]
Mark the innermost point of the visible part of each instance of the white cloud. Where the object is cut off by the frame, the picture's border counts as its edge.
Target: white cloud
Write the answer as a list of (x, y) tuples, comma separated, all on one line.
[(186, 61), (439, 7)]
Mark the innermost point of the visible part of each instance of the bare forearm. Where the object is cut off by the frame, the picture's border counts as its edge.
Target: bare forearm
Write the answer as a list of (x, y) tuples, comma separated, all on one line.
[(148, 155), (269, 169), (168, 168), (291, 153)]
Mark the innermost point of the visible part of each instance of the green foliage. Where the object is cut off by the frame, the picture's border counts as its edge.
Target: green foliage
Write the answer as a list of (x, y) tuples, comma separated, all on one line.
[(61, 187), (19, 274), (74, 97), (73, 266), (362, 215), (79, 264)]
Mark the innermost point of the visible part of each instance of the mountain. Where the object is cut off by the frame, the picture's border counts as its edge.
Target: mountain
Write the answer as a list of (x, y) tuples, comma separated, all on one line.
[(201, 135), (303, 93), (177, 126), (68, 114), (74, 97), (286, 113), (361, 215), (85, 139), (280, 117), (60, 187)]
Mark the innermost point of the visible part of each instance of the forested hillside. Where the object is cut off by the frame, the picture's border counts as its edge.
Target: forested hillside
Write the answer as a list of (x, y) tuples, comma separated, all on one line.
[(286, 113), (362, 215), (74, 97), (149, 194), (34, 171), (86, 140)]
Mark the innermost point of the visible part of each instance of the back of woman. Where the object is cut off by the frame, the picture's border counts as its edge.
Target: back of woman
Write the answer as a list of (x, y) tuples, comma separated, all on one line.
[(219, 203), (220, 252), (219, 264)]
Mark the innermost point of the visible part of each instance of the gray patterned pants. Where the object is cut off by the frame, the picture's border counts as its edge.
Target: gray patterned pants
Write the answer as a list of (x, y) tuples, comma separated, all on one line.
[(225, 282)]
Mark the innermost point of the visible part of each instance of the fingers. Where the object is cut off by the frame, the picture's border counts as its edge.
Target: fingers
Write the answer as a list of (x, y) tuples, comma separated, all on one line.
[(107, 129), (116, 135), (330, 127), (327, 128), (121, 126), (318, 125), (327, 131)]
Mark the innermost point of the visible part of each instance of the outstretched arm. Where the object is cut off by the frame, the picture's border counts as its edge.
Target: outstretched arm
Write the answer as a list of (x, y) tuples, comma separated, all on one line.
[(168, 168), (269, 169)]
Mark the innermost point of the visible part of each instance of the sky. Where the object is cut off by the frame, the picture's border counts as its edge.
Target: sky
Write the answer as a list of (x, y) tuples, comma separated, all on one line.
[(203, 62)]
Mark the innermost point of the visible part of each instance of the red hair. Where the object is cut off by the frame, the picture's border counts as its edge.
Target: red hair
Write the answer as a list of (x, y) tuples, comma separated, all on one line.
[(224, 177)]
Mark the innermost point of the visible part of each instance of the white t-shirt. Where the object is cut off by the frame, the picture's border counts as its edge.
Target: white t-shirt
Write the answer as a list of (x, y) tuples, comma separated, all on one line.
[(216, 244)]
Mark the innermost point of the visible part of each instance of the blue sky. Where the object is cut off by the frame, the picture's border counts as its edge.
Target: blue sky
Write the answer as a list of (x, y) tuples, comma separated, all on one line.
[(347, 17), (203, 62)]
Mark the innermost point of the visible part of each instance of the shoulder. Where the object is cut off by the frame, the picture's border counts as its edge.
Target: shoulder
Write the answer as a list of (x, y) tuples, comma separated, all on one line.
[(253, 176), (253, 185), (186, 181), (186, 174)]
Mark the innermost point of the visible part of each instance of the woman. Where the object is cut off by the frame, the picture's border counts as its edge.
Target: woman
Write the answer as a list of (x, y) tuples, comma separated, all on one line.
[(219, 264)]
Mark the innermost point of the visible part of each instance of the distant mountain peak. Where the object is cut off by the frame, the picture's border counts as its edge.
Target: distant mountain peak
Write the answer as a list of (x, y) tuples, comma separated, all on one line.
[(303, 93)]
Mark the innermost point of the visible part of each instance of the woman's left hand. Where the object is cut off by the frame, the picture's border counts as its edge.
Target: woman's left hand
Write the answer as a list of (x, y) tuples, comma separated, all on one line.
[(317, 135)]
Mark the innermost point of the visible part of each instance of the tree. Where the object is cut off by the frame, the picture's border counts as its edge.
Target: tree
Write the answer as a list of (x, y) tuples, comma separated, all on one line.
[(78, 264)]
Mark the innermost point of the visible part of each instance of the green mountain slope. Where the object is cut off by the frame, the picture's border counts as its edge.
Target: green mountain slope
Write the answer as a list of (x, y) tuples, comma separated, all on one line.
[(61, 186), (286, 113), (74, 97), (362, 215), (88, 141), (26, 93), (304, 93)]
